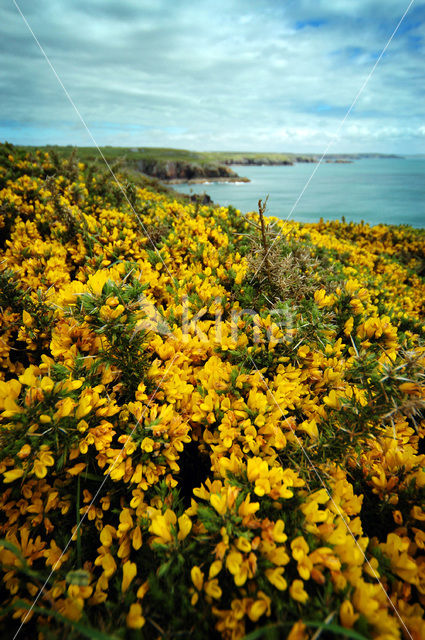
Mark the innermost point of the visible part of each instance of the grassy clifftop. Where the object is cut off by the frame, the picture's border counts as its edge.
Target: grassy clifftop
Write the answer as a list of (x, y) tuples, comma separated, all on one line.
[(135, 154), (161, 163)]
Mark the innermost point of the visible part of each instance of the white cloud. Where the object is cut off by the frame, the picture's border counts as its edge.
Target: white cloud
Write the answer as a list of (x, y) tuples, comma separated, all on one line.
[(230, 74)]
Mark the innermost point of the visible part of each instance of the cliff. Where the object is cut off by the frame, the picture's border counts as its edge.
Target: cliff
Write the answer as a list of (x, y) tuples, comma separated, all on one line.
[(180, 171)]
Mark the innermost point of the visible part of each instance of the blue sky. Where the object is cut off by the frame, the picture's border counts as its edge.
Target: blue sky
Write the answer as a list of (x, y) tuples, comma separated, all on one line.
[(266, 75)]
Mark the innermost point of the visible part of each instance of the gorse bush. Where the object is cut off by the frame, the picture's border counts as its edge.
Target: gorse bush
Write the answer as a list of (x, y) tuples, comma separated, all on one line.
[(197, 442)]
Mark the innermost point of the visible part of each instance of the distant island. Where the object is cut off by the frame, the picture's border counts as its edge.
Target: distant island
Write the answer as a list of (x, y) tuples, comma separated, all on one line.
[(175, 166)]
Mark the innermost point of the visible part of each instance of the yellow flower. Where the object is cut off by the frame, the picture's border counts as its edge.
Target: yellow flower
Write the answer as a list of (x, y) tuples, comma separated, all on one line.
[(419, 537), (348, 326), (126, 522), (185, 525), (76, 469), (234, 561), (112, 301), (364, 600), (147, 445), (276, 578), (243, 544), (278, 556), (299, 548), (142, 590), (257, 471), (417, 513), (256, 468), (278, 534), (248, 508), (197, 577), (332, 400), (96, 281), (54, 556), (129, 571), (161, 526), (12, 475), (108, 564), (84, 406), (347, 615), (219, 502), (9, 393), (215, 568), (262, 487), (412, 388), (259, 607), (64, 408), (303, 351), (398, 517), (134, 619), (106, 535), (136, 538), (108, 313), (195, 597), (39, 469), (29, 377), (213, 589), (323, 300), (310, 428), (118, 471), (297, 592), (27, 319), (298, 631)]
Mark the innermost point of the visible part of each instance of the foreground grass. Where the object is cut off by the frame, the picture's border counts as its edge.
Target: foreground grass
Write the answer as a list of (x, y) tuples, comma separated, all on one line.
[(226, 414)]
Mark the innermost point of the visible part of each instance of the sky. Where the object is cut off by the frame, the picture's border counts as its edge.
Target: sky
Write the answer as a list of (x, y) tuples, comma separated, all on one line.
[(239, 75)]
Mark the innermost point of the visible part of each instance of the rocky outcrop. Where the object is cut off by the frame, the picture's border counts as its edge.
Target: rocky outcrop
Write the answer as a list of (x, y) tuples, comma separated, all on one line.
[(185, 171), (201, 198)]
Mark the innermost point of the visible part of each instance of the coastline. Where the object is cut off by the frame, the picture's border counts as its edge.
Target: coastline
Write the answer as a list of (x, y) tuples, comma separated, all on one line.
[(361, 190), (208, 179)]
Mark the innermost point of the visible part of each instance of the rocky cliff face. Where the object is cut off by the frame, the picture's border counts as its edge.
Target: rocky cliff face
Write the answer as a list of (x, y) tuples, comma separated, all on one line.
[(172, 170)]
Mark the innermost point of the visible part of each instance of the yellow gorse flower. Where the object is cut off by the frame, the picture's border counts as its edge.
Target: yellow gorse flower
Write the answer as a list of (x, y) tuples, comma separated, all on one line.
[(297, 591), (134, 619)]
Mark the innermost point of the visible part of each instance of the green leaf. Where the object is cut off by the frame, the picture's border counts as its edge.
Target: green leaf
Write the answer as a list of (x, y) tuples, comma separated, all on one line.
[(265, 632), (164, 568), (336, 628)]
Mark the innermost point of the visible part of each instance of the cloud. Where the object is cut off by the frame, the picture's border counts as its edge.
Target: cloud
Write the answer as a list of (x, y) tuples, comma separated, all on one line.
[(233, 74)]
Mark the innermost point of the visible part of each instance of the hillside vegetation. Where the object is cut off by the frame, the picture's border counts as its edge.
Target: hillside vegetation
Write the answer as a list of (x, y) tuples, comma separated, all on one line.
[(226, 413), (134, 154), (179, 165), (163, 164)]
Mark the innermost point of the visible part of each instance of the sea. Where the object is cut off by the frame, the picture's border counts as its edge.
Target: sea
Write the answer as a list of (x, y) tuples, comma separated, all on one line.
[(378, 190)]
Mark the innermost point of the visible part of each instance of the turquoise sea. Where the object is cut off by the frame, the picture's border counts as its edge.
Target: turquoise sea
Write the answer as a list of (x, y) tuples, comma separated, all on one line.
[(390, 190)]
